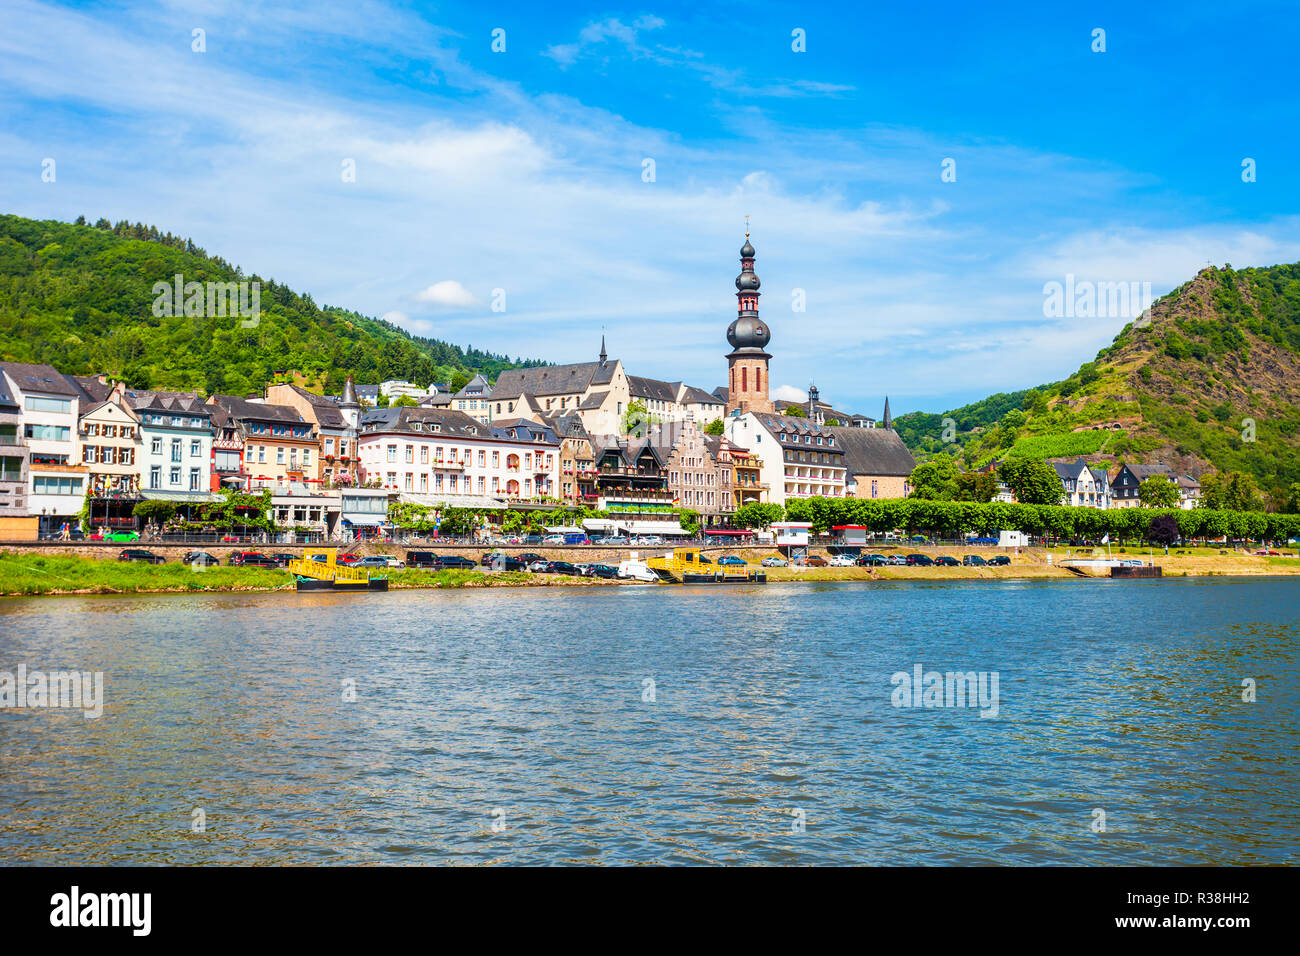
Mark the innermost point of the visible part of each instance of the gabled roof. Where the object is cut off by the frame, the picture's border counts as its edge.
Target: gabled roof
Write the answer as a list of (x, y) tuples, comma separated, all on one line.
[(594, 400), (652, 388), (326, 409), (40, 378), (476, 387), (555, 379), (418, 419), (722, 393), (161, 401), (524, 430), (873, 451), (567, 425), (698, 396), (244, 410)]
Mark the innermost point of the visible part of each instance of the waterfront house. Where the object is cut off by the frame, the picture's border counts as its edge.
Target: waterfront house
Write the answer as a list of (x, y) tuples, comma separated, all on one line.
[(877, 462), (13, 455), (175, 452), (50, 405), (109, 432), (598, 391), (1084, 486), (800, 458), (335, 460), (1128, 480), (280, 445)]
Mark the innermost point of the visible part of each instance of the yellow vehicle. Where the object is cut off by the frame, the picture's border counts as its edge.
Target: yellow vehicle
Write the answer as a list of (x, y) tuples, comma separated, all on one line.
[(319, 570), (689, 566)]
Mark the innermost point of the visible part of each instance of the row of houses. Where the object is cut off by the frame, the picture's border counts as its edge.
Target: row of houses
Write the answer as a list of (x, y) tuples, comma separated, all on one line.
[(67, 440), (1091, 485)]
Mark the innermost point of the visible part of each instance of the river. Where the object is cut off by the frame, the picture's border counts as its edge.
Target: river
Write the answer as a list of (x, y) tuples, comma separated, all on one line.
[(656, 724)]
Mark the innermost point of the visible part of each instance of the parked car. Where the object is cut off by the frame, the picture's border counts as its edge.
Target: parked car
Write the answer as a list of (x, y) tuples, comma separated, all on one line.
[(551, 540), (201, 558), (731, 559), (919, 539), (528, 557), (896, 559), (502, 561), (532, 539), (973, 561), (603, 571), (380, 561), (449, 561), (348, 559), (578, 537), (984, 540), (843, 561), (140, 554), (872, 560), (811, 561), (238, 558), (1000, 559), (114, 536), (562, 567), (773, 562), (947, 561), (421, 559), (283, 558), (920, 560), (538, 567), (614, 539)]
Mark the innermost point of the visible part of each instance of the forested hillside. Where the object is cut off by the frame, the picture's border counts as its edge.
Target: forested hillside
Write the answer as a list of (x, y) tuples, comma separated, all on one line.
[(80, 297)]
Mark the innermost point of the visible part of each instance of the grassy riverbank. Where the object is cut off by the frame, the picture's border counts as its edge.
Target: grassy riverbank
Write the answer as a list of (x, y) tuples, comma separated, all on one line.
[(23, 573), (33, 574)]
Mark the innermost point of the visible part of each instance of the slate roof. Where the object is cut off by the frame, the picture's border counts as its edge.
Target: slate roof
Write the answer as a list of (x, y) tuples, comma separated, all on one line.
[(476, 387), (790, 431), (873, 451), (699, 396), (162, 401), (244, 410), (594, 400), (326, 409), (524, 430), (417, 419), (92, 388), (722, 393), (652, 388), (40, 378), (555, 379)]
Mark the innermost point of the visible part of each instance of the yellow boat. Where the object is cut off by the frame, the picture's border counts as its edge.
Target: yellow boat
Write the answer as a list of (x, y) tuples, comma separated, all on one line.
[(318, 570), (688, 566)]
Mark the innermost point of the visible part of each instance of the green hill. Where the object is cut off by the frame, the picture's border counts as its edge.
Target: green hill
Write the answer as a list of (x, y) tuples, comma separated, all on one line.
[(80, 298), (1207, 380)]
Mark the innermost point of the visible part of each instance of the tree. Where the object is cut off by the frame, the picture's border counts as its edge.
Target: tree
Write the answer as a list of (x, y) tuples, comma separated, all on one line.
[(934, 480), (459, 380), (151, 510), (757, 514), (1163, 530), (1232, 491), (978, 486), (404, 401), (689, 520), (715, 427), (1032, 481), (795, 411), (1158, 492)]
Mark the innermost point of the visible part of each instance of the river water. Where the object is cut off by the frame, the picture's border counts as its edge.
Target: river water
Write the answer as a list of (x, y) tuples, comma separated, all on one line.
[(655, 724)]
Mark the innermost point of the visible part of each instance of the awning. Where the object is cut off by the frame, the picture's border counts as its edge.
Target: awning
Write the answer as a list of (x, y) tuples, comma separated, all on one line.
[(654, 527), (563, 529), (451, 501), (369, 521), (599, 524), (194, 497)]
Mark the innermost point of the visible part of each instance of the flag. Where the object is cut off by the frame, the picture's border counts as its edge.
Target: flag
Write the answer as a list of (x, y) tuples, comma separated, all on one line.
[(1105, 539)]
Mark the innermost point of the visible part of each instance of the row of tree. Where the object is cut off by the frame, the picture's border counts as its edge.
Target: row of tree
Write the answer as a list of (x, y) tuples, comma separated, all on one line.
[(957, 518)]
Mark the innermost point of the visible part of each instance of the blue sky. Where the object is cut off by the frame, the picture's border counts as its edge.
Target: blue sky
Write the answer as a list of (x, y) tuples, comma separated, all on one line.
[(523, 170)]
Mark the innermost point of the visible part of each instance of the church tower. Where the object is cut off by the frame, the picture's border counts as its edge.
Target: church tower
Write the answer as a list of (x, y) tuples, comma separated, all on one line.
[(747, 364)]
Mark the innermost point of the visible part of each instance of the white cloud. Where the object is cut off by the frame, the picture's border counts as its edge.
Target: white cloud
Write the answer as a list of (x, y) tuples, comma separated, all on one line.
[(396, 317), (788, 393), (448, 292)]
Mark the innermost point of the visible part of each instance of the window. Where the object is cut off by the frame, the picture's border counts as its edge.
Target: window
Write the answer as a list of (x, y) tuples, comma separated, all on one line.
[(279, 455), (482, 462), (176, 449), (56, 486), (306, 457), (410, 454), (194, 479), (496, 459), (155, 476), (329, 446), (196, 448), (392, 453), (424, 483), (34, 404), (424, 454), (48, 432), (261, 454), (174, 476)]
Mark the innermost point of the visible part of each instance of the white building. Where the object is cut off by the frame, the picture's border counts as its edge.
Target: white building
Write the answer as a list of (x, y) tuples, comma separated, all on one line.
[(800, 458), (440, 452), (175, 445), (395, 388), (49, 403), (1084, 486)]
